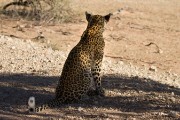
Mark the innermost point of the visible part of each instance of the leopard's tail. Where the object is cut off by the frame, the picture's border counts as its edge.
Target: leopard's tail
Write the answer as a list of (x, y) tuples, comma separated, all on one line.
[(50, 104)]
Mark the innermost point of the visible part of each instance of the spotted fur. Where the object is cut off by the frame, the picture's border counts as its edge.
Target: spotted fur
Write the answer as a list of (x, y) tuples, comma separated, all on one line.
[(83, 65)]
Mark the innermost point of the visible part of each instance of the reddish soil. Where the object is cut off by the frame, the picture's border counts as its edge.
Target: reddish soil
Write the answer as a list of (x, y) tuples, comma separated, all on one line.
[(146, 33)]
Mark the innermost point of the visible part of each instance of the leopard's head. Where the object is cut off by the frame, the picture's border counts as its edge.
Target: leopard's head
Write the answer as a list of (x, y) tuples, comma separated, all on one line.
[(97, 22)]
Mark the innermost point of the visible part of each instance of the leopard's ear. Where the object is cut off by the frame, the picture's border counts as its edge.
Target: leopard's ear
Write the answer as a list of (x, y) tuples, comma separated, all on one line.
[(107, 17), (88, 16)]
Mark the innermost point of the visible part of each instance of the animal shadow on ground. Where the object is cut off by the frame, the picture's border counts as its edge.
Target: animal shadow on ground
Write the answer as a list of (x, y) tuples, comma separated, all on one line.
[(128, 94)]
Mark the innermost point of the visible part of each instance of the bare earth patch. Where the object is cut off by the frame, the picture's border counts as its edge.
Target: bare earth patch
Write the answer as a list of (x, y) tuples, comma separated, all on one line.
[(141, 72)]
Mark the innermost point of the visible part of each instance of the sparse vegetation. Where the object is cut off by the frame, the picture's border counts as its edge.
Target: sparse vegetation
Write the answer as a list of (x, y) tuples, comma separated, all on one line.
[(42, 10), (59, 11)]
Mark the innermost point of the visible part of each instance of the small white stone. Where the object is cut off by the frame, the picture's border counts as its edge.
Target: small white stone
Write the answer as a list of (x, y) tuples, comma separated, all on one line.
[(120, 62), (173, 99), (153, 68), (13, 47), (80, 109), (161, 113), (160, 51)]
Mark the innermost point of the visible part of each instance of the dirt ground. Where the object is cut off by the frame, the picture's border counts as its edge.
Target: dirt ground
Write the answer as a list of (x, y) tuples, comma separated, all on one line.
[(145, 34), (126, 99)]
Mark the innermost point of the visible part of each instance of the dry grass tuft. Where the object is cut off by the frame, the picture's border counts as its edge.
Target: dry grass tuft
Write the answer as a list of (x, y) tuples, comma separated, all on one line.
[(46, 11), (60, 11)]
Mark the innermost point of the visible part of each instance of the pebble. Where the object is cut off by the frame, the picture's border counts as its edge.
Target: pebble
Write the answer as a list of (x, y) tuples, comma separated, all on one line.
[(80, 109), (160, 51), (25, 61), (173, 99), (161, 113), (13, 47), (153, 68), (120, 62), (174, 114)]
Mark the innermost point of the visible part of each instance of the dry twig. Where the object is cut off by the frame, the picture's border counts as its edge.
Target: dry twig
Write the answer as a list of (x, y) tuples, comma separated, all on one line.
[(158, 49)]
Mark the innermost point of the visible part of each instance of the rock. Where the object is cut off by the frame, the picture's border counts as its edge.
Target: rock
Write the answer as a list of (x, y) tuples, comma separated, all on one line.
[(13, 47), (174, 114), (153, 68), (161, 113), (160, 51), (173, 99), (80, 109), (120, 62)]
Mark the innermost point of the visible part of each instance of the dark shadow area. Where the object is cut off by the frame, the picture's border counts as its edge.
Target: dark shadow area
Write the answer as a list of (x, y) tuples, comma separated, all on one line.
[(15, 89), (29, 79), (138, 84), (143, 95)]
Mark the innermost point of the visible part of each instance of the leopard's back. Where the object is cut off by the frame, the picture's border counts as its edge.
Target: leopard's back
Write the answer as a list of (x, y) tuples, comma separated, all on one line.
[(83, 64)]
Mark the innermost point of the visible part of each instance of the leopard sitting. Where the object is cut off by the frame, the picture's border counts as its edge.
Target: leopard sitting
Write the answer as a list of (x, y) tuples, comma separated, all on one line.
[(83, 65)]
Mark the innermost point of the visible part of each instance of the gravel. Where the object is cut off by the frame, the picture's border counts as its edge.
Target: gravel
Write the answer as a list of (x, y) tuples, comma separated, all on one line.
[(132, 92), (25, 56)]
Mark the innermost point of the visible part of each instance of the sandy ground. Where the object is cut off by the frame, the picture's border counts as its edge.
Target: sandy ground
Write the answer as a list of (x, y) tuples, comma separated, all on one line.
[(143, 41), (145, 33)]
